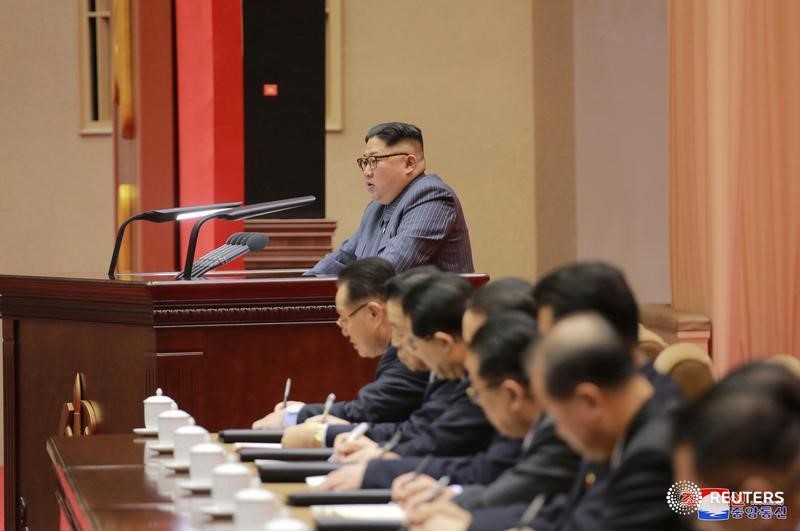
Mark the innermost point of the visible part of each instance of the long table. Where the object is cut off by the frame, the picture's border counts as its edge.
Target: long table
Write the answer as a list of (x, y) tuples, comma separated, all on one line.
[(114, 482)]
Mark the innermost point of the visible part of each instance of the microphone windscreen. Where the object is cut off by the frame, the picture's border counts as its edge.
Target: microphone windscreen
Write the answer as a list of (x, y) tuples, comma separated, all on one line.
[(237, 238), (257, 241)]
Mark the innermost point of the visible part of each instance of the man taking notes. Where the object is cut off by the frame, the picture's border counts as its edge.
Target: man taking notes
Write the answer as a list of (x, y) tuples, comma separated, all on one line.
[(396, 391), (413, 219)]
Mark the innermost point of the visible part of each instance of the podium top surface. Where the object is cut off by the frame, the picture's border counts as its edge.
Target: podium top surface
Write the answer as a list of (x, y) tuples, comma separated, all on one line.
[(158, 299)]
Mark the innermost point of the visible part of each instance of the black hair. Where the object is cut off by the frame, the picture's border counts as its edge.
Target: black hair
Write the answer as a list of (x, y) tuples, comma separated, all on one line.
[(437, 305), (591, 287), (399, 285), (501, 345), (751, 417), (366, 278), (597, 356), (504, 295), (393, 132)]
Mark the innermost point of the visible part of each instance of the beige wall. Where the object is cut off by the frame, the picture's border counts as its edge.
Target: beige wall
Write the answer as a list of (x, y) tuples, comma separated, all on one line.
[(462, 71), (56, 203), (56, 187), (620, 60)]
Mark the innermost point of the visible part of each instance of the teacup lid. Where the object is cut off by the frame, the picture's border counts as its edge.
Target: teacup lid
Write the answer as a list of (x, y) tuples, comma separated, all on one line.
[(158, 398), (286, 524), (254, 495), (207, 448), (174, 413), (230, 469), (191, 429)]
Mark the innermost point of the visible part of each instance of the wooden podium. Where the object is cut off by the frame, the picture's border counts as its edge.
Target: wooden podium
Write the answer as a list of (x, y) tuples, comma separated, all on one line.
[(80, 355)]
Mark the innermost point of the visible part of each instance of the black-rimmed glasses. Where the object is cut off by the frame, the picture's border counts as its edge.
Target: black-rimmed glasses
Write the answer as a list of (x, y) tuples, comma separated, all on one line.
[(372, 160), (342, 321)]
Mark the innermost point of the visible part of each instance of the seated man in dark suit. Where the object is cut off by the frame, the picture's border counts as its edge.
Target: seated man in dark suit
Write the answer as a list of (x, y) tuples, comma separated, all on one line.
[(744, 434), (447, 423), (602, 288), (396, 390), (504, 295), (497, 368), (391, 291), (414, 218), (585, 376)]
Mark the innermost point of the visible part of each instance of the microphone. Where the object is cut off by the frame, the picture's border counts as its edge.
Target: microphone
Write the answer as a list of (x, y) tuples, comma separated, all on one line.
[(238, 244), (242, 212)]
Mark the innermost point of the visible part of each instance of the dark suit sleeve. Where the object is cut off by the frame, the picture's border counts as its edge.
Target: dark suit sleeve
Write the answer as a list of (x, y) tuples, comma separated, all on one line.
[(427, 220), (338, 409), (549, 468), (632, 498), (446, 424), (481, 468), (636, 495), (311, 410), (392, 397), (497, 518)]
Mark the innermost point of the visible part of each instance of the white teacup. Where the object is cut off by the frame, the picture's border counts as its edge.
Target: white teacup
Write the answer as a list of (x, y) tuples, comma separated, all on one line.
[(228, 479), (185, 437), (169, 421), (253, 507), (202, 460), (286, 524), (154, 406), (290, 414)]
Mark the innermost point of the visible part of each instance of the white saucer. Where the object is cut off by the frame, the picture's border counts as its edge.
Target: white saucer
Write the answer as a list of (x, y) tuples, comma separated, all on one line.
[(191, 486), (216, 511), (176, 466), (147, 432), (161, 447)]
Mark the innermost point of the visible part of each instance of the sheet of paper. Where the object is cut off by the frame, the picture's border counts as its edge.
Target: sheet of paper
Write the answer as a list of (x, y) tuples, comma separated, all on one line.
[(256, 445), (315, 481), (383, 512)]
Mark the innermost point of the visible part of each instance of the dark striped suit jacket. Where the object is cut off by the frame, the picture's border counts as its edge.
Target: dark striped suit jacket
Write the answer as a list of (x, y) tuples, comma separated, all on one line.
[(423, 225)]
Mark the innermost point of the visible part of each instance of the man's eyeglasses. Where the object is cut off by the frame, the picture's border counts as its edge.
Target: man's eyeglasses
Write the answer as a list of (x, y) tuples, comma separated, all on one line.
[(372, 160), (342, 321), (474, 393)]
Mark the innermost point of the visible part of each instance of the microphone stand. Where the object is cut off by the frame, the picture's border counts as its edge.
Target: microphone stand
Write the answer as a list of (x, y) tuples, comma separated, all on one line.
[(242, 212)]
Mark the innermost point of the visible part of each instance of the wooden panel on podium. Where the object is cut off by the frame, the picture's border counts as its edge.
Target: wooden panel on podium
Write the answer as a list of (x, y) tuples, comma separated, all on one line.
[(292, 242), (222, 347)]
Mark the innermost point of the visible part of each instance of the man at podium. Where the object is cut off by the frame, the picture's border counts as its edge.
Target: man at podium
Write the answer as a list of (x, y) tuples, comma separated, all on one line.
[(414, 218)]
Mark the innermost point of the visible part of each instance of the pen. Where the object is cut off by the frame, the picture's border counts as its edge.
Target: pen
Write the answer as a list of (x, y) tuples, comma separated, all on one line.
[(442, 484), (421, 466), (328, 404), (419, 470), (390, 444), (357, 432), (286, 392), (531, 512)]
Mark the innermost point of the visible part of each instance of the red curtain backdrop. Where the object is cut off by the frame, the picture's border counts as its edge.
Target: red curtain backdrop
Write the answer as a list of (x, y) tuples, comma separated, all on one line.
[(734, 171)]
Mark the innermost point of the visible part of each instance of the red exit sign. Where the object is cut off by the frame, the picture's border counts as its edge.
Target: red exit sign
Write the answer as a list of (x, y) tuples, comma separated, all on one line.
[(270, 89)]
